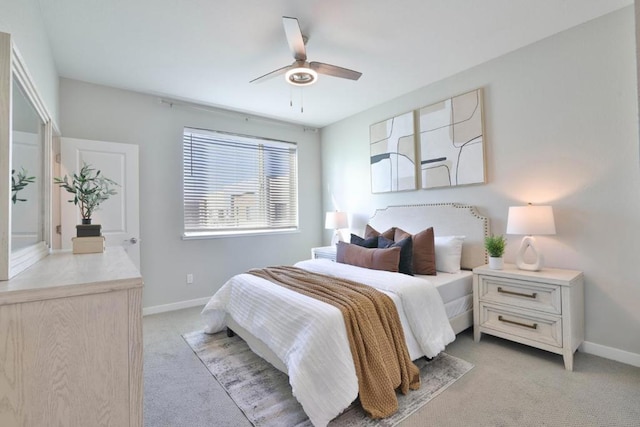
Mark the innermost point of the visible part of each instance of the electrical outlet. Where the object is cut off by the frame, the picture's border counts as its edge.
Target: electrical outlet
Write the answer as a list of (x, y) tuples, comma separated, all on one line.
[(189, 278)]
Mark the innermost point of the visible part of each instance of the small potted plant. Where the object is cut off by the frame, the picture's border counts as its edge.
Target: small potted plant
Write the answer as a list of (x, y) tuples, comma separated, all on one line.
[(89, 189), (495, 247)]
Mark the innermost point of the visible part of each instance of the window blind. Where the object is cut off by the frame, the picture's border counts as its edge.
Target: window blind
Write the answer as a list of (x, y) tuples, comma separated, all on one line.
[(236, 184)]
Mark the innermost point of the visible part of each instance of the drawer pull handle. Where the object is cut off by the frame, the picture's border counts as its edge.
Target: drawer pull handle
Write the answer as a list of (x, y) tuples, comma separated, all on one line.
[(502, 319), (502, 291)]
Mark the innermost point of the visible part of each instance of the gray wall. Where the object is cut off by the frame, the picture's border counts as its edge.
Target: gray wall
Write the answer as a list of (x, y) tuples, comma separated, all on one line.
[(561, 126), (22, 19), (96, 112)]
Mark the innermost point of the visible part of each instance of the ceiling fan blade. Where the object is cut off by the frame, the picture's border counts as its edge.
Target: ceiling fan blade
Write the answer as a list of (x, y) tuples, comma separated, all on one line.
[(271, 75), (335, 71), (294, 37)]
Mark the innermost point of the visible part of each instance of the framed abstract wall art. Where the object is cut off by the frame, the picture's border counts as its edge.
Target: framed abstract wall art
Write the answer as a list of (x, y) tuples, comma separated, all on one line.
[(451, 142), (393, 154)]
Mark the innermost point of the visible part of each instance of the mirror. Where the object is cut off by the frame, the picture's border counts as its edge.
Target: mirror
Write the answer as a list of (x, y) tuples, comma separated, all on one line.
[(26, 132), (26, 173)]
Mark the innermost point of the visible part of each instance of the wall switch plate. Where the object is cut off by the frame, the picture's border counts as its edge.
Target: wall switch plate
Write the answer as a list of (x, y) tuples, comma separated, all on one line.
[(189, 279)]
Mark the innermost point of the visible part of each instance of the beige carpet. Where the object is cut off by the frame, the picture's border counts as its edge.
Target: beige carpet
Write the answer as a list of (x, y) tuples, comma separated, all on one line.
[(264, 395)]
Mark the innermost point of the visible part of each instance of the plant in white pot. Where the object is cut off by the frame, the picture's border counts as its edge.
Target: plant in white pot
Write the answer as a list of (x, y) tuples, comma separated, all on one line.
[(495, 247), (89, 189)]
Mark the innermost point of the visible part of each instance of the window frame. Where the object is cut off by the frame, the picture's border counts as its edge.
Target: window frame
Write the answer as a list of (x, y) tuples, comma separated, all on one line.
[(191, 234)]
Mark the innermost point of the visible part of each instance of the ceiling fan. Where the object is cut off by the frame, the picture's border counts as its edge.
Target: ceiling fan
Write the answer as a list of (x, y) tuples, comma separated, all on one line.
[(301, 72)]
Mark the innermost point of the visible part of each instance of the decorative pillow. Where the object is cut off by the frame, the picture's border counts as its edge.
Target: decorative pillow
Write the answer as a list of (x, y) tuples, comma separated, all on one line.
[(448, 253), (371, 242), (375, 259), (369, 231), (400, 234), (424, 252), (405, 264)]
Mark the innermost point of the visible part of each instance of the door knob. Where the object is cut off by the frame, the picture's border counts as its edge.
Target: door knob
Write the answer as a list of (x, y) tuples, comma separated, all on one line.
[(132, 240)]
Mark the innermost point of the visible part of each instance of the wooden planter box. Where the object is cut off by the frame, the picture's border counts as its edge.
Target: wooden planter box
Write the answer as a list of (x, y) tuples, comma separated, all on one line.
[(88, 245)]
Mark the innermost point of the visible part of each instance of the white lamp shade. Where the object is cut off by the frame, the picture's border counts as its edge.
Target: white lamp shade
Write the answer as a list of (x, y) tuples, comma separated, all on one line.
[(336, 220), (531, 220)]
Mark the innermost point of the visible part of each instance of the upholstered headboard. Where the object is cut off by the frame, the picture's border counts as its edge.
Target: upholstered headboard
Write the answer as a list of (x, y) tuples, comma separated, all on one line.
[(447, 219)]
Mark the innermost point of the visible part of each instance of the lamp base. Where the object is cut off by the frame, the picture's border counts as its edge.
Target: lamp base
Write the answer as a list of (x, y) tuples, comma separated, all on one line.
[(337, 237), (529, 242)]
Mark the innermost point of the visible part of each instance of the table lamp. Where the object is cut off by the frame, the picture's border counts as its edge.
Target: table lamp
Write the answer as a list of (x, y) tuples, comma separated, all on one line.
[(528, 221), (335, 221)]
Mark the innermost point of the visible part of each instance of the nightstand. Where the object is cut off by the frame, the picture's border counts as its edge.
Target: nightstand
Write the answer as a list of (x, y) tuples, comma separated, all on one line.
[(543, 309), (327, 252)]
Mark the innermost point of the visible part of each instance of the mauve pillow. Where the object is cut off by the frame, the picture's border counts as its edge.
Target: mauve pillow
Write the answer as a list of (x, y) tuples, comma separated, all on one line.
[(400, 234), (371, 242), (369, 231), (424, 250), (375, 259), (405, 264)]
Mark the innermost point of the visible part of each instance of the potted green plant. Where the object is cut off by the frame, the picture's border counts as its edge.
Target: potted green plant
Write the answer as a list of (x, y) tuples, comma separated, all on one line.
[(89, 189), (495, 247)]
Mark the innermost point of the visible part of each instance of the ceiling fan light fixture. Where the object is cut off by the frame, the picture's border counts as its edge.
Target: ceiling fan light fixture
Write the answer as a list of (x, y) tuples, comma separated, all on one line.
[(301, 76)]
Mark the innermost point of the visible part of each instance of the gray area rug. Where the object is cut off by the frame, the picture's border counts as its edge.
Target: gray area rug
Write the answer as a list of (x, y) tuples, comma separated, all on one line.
[(264, 395)]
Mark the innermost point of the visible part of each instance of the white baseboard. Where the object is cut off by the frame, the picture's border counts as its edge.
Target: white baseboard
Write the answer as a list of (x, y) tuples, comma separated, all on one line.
[(174, 306), (618, 355)]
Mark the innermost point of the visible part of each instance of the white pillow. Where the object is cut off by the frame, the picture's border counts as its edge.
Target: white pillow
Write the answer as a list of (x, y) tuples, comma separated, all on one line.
[(448, 253)]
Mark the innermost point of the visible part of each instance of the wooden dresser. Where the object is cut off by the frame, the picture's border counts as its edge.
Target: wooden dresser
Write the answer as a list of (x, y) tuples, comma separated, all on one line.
[(71, 342)]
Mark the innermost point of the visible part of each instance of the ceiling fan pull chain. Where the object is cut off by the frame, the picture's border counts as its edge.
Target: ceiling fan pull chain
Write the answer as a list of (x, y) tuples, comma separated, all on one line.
[(301, 102), (291, 97)]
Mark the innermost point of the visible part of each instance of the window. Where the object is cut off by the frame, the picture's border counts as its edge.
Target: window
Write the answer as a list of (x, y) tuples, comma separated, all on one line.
[(236, 184)]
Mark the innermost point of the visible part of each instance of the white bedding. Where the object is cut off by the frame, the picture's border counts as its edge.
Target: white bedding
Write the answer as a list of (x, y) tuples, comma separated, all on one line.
[(452, 286), (300, 329), (459, 306)]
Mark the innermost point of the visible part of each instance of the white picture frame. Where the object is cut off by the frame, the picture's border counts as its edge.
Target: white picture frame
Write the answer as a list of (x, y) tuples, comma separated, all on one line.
[(451, 141), (393, 154)]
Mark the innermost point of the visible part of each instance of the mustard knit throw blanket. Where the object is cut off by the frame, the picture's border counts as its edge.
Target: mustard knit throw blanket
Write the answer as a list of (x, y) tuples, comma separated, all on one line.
[(374, 330)]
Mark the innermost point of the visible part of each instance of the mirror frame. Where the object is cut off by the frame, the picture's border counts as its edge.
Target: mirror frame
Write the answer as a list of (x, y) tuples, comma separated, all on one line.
[(12, 67)]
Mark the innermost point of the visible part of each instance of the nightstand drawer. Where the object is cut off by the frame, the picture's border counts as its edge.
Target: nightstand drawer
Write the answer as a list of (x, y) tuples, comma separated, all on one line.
[(521, 293), (531, 325)]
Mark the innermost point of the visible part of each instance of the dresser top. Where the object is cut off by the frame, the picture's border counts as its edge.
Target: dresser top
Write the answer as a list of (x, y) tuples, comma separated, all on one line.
[(548, 275), (64, 274)]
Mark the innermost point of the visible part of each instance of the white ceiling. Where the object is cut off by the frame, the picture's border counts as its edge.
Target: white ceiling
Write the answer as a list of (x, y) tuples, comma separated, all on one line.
[(207, 51)]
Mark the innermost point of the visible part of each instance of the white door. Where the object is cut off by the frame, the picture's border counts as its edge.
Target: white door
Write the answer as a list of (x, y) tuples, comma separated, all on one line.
[(119, 215)]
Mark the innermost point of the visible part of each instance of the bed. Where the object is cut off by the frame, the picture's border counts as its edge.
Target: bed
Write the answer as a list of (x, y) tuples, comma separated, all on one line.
[(246, 305)]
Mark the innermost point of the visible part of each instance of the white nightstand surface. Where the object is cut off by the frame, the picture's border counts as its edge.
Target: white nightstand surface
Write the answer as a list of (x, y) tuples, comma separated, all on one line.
[(543, 309), (548, 275), (326, 252)]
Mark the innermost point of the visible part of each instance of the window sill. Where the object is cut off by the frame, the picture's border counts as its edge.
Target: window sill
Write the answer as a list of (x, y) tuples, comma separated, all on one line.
[(198, 235)]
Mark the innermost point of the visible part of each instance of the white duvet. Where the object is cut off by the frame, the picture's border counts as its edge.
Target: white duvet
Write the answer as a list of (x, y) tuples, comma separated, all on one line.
[(310, 337)]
